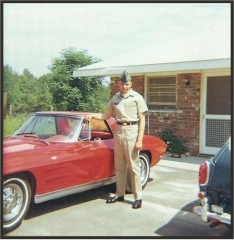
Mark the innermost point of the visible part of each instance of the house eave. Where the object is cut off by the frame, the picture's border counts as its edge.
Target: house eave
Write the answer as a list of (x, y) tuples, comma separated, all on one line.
[(151, 68)]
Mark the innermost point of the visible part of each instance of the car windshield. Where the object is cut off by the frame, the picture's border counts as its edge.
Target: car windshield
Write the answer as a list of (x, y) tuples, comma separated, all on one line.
[(51, 127)]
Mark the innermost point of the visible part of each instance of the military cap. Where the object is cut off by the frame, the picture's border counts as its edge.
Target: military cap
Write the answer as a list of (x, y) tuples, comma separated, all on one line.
[(125, 78)]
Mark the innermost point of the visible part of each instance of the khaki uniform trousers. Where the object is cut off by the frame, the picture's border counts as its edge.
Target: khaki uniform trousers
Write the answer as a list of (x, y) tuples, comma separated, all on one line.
[(127, 157)]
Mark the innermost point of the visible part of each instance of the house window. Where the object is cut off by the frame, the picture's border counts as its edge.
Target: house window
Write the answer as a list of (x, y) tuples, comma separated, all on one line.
[(161, 93)]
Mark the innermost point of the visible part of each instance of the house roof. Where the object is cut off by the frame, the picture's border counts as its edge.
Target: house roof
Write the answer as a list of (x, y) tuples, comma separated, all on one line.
[(176, 55)]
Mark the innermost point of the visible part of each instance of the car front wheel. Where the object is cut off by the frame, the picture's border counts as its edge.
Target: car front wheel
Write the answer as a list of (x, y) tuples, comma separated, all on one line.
[(16, 202), (145, 171)]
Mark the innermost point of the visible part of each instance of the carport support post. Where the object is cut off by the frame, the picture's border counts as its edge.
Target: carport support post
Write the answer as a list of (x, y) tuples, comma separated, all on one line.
[(148, 121)]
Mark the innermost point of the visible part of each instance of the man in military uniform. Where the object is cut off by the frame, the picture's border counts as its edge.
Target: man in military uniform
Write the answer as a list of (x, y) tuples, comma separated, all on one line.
[(129, 109)]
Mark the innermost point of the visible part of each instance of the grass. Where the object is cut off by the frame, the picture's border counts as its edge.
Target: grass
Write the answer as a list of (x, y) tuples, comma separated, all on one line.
[(11, 124)]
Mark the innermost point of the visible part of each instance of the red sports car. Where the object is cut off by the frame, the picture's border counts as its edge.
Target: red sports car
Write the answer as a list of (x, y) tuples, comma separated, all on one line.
[(55, 154)]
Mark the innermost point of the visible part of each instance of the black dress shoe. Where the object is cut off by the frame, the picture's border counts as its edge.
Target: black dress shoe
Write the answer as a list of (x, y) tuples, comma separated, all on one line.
[(115, 199), (137, 204)]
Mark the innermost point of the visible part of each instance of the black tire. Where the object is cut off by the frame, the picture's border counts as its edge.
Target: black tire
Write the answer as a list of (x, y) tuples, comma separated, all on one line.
[(16, 201), (145, 172)]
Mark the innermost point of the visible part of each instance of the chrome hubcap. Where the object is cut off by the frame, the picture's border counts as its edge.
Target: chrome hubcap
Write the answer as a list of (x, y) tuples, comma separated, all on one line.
[(12, 201)]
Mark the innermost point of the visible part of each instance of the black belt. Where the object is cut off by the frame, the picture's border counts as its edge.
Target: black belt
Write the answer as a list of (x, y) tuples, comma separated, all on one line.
[(127, 123)]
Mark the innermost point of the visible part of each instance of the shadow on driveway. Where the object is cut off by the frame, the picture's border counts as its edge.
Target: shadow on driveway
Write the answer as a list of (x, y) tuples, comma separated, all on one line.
[(186, 223), (69, 201)]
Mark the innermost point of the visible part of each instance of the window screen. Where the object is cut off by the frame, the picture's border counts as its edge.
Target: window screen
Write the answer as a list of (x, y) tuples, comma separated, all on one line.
[(218, 95), (161, 93)]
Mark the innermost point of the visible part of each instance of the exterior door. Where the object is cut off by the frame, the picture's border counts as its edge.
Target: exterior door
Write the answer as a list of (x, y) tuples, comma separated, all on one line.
[(216, 112)]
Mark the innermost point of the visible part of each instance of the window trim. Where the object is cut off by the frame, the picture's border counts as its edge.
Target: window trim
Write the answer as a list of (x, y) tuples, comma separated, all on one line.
[(147, 78)]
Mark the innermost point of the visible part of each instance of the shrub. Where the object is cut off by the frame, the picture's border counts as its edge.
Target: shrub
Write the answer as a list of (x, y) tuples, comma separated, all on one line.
[(174, 144)]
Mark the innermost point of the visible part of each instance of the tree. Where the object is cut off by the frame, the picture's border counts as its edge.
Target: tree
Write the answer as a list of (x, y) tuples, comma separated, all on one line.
[(44, 97), (58, 89), (25, 93), (70, 93), (28, 88), (11, 87), (98, 100)]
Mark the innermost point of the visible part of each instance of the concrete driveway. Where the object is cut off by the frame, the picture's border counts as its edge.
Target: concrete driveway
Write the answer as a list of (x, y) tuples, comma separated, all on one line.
[(168, 200)]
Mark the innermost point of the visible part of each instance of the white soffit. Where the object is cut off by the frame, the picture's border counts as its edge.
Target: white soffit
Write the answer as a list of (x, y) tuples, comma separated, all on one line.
[(171, 56)]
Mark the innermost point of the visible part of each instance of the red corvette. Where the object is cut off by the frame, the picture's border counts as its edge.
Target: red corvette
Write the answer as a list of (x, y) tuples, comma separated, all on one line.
[(55, 154)]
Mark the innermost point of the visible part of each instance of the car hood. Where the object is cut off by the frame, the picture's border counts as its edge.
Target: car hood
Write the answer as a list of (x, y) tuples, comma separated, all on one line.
[(17, 144)]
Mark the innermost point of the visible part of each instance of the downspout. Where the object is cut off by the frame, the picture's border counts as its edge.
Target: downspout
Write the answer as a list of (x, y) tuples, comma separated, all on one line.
[(145, 93)]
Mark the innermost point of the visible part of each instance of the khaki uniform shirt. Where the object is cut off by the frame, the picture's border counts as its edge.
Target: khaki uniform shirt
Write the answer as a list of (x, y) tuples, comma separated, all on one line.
[(125, 108)]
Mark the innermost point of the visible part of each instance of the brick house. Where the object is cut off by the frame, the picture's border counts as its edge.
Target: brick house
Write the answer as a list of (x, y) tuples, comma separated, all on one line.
[(187, 90)]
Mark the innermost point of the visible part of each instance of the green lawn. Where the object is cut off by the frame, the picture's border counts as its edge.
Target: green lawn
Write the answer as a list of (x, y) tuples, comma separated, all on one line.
[(11, 124)]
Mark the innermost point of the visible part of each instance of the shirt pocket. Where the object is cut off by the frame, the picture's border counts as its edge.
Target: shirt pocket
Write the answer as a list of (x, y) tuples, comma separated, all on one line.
[(131, 109)]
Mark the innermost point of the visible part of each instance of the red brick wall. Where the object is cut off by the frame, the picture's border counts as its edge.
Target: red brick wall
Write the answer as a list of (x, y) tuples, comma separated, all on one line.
[(184, 122)]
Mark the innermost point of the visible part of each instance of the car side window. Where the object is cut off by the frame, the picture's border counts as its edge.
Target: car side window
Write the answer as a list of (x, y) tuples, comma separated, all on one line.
[(95, 129), (99, 130), (85, 132)]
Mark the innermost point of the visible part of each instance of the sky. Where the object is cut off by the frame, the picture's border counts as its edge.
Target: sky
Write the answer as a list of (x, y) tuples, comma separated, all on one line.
[(36, 33)]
